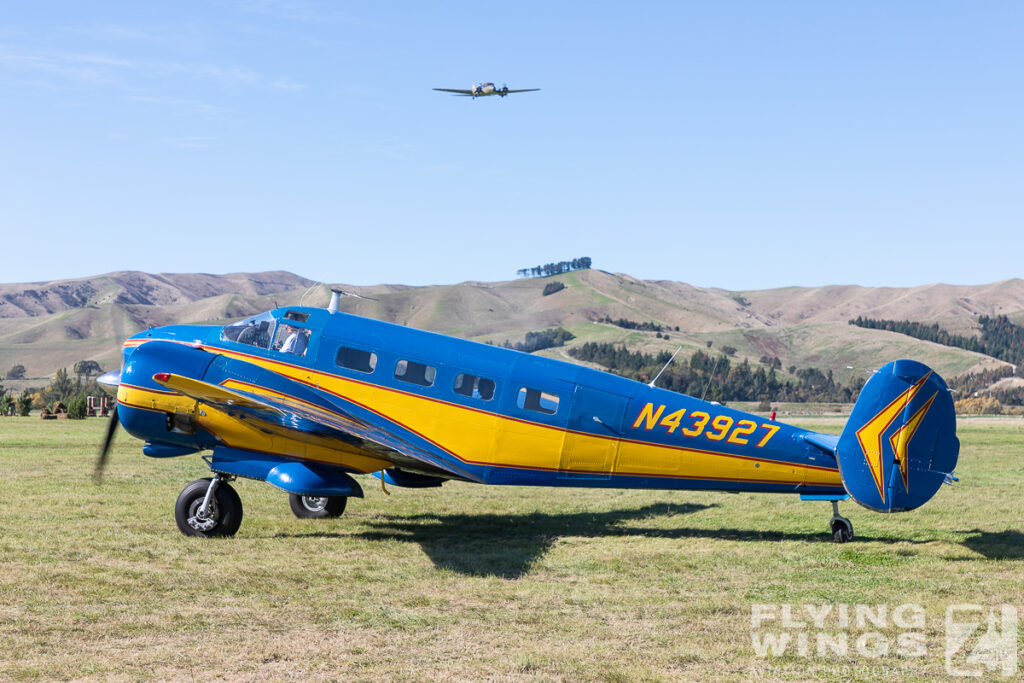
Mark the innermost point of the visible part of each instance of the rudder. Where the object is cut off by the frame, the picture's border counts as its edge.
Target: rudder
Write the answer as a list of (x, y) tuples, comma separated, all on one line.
[(899, 444)]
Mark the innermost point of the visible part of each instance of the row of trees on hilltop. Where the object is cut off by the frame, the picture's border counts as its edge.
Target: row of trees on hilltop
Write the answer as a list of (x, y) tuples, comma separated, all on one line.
[(976, 385), (582, 263), (716, 378), (999, 337), (1002, 339), (644, 326)]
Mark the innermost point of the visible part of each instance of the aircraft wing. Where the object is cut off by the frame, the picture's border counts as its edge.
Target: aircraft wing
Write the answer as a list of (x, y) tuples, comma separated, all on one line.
[(526, 90), (342, 420), (457, 92)]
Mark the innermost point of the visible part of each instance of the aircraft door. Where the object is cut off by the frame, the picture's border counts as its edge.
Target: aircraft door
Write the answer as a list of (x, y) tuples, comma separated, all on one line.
[(591, 445)]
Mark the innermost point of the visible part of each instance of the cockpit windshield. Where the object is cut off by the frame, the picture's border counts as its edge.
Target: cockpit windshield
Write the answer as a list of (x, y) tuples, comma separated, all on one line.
[(285, 335), (255, 331)]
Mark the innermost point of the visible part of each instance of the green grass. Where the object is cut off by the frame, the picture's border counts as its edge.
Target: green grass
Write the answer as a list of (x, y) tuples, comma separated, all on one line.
[(468, 582)]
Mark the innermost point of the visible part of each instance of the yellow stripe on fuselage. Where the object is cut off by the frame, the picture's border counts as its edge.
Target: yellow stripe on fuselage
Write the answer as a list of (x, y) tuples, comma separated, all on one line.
[(241, 434), (484, 438)]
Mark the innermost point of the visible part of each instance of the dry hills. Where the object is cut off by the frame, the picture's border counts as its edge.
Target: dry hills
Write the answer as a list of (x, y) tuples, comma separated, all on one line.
[(45, 326)]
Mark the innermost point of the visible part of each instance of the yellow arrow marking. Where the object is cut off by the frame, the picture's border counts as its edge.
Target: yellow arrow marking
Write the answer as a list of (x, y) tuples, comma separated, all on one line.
[(901, 440), (870, 435)]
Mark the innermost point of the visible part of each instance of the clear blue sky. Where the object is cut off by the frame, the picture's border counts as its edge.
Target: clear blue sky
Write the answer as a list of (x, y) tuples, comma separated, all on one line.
[(741, 145)]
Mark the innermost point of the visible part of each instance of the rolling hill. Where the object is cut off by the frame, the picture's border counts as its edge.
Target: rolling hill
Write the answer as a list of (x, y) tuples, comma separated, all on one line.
[(46, 326)]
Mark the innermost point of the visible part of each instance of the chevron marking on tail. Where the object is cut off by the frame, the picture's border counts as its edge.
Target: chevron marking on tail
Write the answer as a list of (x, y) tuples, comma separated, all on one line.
[(901, 440), (870, 435)]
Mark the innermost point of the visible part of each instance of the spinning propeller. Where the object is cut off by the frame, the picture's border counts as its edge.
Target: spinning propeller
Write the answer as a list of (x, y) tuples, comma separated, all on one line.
[(109, 382)]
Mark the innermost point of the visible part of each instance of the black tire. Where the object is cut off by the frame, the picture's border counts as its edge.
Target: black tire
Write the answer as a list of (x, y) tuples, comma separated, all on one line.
[(842, 531), (313, 507), (227, 510)]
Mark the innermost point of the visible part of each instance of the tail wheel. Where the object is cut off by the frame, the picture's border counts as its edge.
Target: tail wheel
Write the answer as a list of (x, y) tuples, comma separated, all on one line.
[(223, 518), (317, 507), (842, 530)]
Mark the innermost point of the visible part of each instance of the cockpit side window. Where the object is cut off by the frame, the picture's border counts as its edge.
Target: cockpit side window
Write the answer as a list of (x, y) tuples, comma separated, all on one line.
[(255, 331), (291, 339)]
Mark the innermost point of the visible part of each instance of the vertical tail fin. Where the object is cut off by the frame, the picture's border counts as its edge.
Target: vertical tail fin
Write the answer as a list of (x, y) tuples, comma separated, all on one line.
[(900, 442)]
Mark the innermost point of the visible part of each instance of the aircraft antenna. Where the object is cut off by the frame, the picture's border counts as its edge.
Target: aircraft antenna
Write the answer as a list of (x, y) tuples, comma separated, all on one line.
[(336, 295), (651, 385), (711, 377), (308, 290)]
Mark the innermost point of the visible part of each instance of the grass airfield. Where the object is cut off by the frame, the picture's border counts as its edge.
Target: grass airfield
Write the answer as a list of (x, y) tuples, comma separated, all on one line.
[(471, 582)]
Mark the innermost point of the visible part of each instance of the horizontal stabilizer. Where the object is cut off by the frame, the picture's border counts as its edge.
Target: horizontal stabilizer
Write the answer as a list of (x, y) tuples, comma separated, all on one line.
[(826, 442)]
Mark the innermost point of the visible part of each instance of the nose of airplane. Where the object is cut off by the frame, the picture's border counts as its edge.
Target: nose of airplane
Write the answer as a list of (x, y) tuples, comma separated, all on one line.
[(110, 381)]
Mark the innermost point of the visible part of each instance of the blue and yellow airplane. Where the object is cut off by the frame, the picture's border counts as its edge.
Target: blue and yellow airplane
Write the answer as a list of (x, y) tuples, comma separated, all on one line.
[(303, 398)]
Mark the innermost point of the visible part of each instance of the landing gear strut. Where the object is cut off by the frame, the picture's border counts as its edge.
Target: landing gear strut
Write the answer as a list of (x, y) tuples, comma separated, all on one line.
[(842, 528), (209, 507)]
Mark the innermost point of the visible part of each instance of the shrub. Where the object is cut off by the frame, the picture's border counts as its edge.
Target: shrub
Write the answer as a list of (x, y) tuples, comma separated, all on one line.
[(24, 403), (979, 406), (552, 287), (546, 339), (77, 408)]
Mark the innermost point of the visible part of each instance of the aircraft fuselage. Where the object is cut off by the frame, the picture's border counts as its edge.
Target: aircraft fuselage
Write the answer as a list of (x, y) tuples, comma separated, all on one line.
[(495, 415)]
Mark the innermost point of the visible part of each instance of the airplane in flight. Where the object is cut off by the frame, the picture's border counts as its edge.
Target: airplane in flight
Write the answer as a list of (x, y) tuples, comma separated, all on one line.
[(484, 90), (303, 398)]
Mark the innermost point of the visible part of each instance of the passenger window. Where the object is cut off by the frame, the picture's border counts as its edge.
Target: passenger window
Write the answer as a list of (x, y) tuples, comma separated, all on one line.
[(415, 373), (474, 387), (356, 359), (537, 401)]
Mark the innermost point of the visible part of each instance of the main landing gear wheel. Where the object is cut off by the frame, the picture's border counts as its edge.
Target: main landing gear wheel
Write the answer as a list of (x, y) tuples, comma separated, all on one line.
[(317, 507), (842, 528), (208, 507)]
